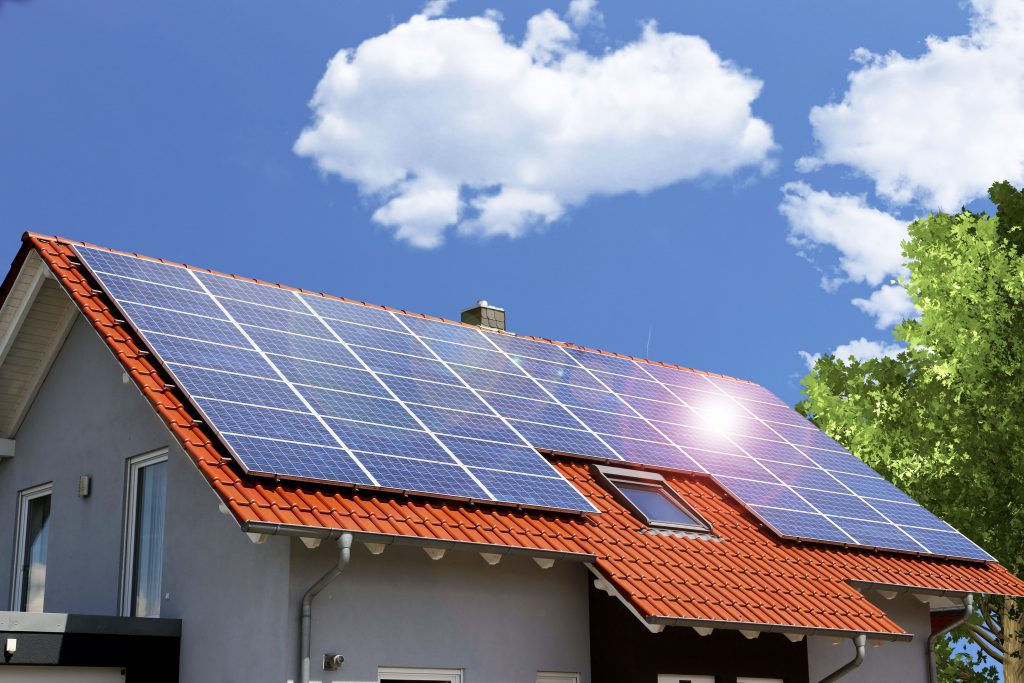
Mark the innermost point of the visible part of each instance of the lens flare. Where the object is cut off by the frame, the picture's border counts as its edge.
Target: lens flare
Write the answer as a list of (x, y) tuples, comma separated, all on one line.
[(718, 414)]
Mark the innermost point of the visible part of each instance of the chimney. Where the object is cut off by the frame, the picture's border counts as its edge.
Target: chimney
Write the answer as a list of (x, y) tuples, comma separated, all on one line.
[(485, 315)]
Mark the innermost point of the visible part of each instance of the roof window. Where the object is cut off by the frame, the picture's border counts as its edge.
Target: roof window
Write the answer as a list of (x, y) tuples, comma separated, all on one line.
[(650, 497)]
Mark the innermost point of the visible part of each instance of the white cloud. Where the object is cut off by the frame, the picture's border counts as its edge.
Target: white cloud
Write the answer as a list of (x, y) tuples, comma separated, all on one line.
[(445, 124), (940, 128), (547, 37), (420, 211), (868, 240), (583, 12), (889, 304), (809, 358), (860, 349), (864, 349), (511, 212), (435, 8)]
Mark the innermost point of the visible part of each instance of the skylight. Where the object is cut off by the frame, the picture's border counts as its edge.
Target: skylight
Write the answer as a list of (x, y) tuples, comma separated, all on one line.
[(652, 499)]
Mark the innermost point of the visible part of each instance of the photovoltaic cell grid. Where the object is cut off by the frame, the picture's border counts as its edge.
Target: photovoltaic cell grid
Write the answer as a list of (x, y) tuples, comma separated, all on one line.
[(295, 387), (303, 386)]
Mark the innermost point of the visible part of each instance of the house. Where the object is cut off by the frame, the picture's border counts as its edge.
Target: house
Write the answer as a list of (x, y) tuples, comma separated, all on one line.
[(208, 478)]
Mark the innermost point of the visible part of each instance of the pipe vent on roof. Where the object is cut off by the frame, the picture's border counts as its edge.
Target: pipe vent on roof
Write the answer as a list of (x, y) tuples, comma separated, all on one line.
[(485, 315)]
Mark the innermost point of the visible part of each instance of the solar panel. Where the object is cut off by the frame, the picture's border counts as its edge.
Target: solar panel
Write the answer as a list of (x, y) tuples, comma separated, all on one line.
[(528, 409), (300, 385), (436, 394), (565, 440), (213, 356), (328, 376), (322, 463), (371, 438), (305, 387)]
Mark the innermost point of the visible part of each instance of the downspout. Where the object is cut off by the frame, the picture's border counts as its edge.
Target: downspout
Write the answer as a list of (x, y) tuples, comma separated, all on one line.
[(306, 621), (933, 675), (860, 643)]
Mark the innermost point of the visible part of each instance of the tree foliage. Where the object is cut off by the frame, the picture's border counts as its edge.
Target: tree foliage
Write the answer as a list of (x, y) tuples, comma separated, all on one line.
[(944, 420)]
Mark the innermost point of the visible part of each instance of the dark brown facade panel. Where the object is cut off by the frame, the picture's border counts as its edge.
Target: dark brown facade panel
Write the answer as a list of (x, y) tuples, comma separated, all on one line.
[(623, 649)]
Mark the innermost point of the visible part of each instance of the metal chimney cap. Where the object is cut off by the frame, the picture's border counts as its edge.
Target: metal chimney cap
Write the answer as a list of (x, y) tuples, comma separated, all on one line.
[(482, 303)]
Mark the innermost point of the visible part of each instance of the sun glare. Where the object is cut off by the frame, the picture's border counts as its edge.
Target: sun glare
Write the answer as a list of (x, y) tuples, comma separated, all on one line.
[(719, 414)]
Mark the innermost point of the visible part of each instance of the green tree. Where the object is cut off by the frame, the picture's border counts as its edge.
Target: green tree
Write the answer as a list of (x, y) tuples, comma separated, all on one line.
[(944, 420)]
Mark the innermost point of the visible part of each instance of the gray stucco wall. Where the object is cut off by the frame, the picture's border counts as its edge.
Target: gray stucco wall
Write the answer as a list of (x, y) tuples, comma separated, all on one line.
[(228, 592), (238, 601), (501, 624), (905, 662), (85, 420)]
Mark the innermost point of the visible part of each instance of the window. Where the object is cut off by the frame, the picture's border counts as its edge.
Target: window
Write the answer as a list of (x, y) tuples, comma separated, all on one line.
[(679, 678), (388, 674), (145, 504), (33, 531), (650, 496), (557, 677)]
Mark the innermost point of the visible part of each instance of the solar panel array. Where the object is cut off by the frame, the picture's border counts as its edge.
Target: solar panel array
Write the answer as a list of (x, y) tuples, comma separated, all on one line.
[(304, 386)]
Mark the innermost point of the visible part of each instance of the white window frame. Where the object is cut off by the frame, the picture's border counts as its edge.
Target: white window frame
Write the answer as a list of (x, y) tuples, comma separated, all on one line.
[(557, 677), (135, 464), (675, 678), (25, 496), (447, 675)]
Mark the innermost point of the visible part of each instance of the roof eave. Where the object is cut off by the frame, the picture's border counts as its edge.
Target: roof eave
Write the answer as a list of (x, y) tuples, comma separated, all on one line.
[(908, 588), (778, 628), (15, 269), (324, 533)]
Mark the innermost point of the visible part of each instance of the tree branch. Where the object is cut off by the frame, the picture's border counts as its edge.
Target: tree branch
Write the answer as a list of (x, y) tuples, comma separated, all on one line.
[(991, 639), (981, 640), (993, 626)]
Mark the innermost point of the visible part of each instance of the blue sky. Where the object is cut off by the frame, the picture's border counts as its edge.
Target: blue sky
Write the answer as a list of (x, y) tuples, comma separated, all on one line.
[(171, 130)]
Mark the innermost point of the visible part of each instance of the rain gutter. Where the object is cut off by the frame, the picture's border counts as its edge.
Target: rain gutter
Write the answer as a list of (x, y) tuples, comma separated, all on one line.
[(322, 533)]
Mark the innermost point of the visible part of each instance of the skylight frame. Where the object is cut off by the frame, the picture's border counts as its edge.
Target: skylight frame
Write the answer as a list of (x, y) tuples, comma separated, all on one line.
[(613, 477)]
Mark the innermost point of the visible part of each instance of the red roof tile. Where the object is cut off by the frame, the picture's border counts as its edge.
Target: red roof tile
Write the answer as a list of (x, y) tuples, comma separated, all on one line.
[(746, 575)]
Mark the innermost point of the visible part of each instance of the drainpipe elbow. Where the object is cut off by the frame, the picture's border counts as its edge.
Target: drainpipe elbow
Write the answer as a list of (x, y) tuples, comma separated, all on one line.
[(933, 675), (860, 642)]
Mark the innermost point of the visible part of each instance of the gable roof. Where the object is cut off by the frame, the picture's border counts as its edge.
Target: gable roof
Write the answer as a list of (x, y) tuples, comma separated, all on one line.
[(745, 577)]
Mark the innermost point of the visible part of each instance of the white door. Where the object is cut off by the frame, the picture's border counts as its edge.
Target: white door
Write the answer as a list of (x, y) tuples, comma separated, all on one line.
[(60, 674)]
